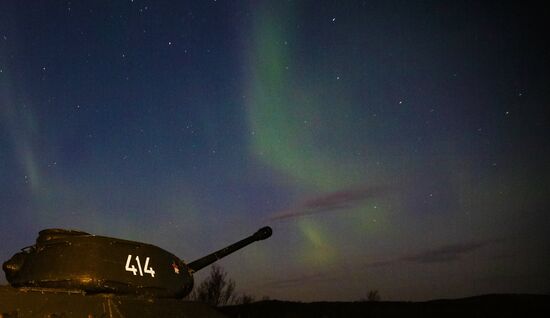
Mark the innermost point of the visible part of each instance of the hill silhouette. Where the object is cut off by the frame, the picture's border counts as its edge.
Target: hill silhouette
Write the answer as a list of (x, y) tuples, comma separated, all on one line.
[(497, 305)]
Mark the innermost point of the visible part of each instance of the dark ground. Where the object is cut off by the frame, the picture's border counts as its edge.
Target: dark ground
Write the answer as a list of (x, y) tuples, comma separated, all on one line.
[(480, 306), (17, 303)]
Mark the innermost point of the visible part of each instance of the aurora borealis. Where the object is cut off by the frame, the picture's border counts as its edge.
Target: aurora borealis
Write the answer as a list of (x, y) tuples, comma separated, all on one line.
[(395, 146)]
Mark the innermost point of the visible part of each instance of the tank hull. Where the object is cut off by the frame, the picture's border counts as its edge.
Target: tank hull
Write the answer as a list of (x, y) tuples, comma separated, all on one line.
[(76, 261), (96, 264)]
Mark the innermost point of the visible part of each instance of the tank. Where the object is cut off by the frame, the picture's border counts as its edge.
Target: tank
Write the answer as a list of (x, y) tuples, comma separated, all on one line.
[(76, 261)]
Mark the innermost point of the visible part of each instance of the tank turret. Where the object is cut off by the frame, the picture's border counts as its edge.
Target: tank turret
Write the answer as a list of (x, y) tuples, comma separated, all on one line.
[(72, 260)]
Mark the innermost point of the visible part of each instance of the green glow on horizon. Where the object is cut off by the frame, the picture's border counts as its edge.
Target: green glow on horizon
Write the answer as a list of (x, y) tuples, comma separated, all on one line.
[(318, 248)]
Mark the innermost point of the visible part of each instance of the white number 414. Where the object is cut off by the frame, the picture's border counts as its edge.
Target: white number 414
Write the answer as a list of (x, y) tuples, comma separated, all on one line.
[(146, 269)]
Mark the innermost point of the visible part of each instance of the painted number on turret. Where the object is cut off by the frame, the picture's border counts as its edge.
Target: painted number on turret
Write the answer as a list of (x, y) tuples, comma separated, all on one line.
[(145, 269)]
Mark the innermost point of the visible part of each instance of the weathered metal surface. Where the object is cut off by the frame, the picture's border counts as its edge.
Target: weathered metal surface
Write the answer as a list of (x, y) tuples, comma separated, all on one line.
[(68, 260), (261, 234), (98, 264)]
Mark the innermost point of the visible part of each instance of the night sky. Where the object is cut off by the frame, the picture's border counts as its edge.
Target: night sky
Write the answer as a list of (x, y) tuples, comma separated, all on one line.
[(397, 146)]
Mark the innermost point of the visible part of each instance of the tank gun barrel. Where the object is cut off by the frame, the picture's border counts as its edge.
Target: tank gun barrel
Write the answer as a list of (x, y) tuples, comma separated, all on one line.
[(202, 262)]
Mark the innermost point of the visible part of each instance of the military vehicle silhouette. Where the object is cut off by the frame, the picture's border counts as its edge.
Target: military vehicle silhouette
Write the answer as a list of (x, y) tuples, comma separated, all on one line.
[(76, 260), (70, 273)]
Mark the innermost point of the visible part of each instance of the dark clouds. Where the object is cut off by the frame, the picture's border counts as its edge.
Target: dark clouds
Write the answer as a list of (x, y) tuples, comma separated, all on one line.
[(444, 254), (330, 202), (302, 279), (447, 253)]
